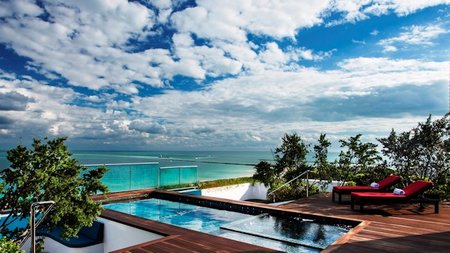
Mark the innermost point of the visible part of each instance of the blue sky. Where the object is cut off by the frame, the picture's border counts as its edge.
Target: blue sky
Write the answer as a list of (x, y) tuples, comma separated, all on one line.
[(218, 75)]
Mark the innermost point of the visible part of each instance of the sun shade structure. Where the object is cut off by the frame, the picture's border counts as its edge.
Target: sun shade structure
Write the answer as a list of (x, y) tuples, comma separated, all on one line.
[(384, 184), (412, 194)]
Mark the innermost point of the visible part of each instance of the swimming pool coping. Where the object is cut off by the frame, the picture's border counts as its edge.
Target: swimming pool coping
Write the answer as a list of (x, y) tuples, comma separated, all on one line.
[(171, 231), (213, 202)]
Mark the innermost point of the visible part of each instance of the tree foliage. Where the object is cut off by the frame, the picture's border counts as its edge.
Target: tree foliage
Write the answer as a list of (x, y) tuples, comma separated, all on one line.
[(322, 168), (265, 173), (291, 154), (289, 162), (48, 172), (360, 162), (9, 246), (422, 153)]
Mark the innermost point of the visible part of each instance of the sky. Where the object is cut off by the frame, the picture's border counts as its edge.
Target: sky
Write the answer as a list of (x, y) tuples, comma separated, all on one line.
[(219, 75)]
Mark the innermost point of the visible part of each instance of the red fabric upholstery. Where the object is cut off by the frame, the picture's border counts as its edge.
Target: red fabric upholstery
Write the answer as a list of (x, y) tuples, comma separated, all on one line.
[(349, 189), (417, 188), (389, 181), (384, 183), (376, 195), (412, 190)]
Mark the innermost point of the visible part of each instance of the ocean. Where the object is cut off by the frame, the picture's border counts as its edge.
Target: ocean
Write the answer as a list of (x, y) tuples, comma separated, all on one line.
[(211, 164)]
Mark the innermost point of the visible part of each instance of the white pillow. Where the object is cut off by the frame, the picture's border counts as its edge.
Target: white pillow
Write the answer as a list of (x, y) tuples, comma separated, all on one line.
[(374, 185), (398, 191)]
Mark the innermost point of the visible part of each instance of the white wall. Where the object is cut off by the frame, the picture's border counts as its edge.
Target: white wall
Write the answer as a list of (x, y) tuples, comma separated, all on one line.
[(118, 236), (248, 191), (238, 192)]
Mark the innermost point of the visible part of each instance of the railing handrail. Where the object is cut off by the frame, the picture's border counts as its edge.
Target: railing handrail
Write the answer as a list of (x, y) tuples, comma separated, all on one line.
[(178, 167), (109, 164), (290, 181), (31, 232)]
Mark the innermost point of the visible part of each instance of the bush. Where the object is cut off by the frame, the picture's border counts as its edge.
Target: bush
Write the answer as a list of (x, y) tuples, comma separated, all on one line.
[(9, 246), (293, 191)]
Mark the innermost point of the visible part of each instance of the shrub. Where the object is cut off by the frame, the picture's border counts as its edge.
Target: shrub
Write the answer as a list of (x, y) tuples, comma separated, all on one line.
[(9, 246)]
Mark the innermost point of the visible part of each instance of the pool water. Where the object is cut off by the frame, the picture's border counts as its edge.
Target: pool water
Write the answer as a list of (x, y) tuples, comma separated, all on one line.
[(287, 234)]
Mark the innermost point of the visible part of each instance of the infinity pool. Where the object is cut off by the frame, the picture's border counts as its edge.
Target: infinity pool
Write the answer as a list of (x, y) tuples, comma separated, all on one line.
[(287, 234)]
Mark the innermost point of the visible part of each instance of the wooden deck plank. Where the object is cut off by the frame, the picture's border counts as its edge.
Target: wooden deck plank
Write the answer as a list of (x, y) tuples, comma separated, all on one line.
[(391, 228)]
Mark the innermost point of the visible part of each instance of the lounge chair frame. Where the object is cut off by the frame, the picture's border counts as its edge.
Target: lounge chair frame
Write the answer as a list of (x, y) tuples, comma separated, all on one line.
[(420, 200), (412, 196), (340, 192)]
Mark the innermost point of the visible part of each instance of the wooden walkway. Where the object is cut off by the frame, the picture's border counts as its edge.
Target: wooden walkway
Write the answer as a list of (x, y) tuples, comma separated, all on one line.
[(401, 228)]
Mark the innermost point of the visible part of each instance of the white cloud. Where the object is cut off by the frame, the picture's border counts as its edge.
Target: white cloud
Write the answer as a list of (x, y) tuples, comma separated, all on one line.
[(19, 8), (81, 40), (274, 102), (389, 48), (356, 10), (414, 35), (87, 42), (269, 93), (51, 112), (402, 7), (273, 55), (362, 42), (244, 111), (232, 20)]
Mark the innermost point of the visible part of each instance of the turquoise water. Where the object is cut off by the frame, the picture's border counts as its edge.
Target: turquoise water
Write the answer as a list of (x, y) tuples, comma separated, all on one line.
[(287, 234), (211, 164)]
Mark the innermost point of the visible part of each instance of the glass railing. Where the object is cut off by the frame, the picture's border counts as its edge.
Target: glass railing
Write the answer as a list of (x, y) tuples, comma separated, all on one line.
[(135, 176), (178, 175)]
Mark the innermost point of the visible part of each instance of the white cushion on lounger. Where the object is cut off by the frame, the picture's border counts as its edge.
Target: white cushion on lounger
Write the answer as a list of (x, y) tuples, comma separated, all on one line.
[(398, 191)]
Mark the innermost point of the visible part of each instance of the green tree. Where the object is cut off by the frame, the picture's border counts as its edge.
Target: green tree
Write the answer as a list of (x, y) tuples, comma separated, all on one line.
[(359, 161), (290, 156), (422, 153), (290, 161), (322, 169), (48, 172), (265, 173)]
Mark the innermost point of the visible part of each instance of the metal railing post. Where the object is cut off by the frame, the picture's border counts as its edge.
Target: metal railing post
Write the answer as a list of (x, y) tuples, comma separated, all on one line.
[(33, 228), (34, 224), (307, 184)]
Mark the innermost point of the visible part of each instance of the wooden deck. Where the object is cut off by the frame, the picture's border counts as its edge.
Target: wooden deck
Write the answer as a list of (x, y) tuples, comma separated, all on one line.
[(382, 229), (401, 228)]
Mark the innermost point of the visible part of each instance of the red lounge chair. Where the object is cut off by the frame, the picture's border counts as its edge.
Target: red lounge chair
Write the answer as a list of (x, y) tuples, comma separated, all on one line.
[(412, 195), (383, 185)]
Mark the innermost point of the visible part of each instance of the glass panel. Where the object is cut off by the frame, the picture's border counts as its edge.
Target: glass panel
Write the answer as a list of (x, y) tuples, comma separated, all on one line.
[(178, 175), (144, 176), (188, 175), (117, 178), (170, 176), (124, 177)]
